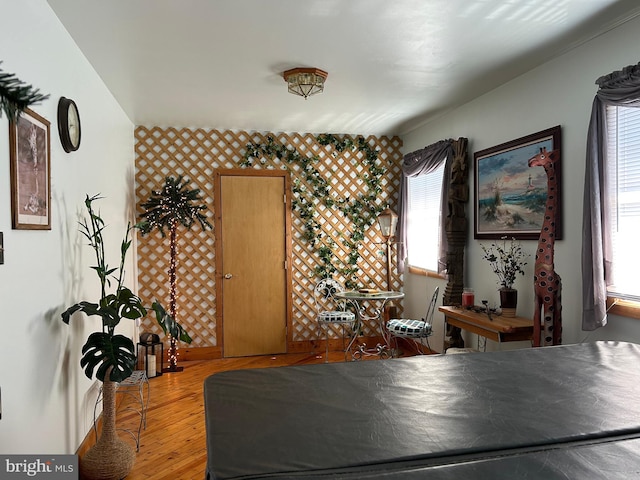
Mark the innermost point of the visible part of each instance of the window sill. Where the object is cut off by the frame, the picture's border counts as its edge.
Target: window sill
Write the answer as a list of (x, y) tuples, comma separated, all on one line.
[(426, 273), (624, 308)]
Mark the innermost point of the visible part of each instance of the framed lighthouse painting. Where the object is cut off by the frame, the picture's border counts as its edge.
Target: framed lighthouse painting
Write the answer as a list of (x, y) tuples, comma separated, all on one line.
[(510, 197)]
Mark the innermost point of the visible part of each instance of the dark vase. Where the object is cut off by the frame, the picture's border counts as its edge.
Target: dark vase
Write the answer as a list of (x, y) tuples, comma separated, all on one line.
[(508, 301)]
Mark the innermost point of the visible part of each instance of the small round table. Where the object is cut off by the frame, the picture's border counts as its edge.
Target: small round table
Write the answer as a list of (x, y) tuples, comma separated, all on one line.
[(357, 298)]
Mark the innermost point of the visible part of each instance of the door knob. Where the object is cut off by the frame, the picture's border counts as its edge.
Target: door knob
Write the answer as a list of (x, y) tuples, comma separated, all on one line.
[(228, 276)]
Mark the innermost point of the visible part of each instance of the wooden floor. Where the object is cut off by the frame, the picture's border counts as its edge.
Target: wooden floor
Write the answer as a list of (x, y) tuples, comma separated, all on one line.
[(173, 447)]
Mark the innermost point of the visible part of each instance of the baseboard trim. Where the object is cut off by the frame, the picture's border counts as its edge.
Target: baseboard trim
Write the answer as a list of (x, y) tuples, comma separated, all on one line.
[(198, 353), (335, 344), (303, 346)]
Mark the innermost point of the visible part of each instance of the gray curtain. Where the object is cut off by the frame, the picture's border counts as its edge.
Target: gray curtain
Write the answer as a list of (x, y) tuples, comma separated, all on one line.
[(422, 162), (621, 88)]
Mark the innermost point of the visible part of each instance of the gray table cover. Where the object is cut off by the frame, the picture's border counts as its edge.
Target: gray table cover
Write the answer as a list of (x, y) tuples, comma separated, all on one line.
[(395, 418), (610, 460)]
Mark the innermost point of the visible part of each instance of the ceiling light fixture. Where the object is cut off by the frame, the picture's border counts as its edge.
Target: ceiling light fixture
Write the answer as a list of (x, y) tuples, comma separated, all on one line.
[(305, 81)]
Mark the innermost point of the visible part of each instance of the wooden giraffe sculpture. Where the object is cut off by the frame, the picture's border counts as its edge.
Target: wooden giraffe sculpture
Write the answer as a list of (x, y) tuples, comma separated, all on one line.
[(546, 282)]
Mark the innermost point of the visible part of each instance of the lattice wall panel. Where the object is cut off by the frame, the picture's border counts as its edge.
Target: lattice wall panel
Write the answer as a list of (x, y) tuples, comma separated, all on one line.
[(196, 153)]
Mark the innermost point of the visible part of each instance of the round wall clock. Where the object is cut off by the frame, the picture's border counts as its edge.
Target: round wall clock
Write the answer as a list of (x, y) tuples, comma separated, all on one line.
[(68, 124)]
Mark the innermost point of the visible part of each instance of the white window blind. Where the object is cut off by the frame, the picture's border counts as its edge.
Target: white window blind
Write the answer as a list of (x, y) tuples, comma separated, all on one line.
[(423, 219), (623, 190)]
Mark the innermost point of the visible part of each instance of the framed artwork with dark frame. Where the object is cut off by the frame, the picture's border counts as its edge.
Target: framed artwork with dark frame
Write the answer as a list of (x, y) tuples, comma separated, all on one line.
[(30, 166), (509, 196)]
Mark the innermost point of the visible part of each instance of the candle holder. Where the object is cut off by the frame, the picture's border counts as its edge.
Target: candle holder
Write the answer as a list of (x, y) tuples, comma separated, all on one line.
[(151, 358), (468, 298)]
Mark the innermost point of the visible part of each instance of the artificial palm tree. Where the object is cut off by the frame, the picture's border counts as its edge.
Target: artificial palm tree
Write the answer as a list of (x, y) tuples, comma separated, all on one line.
[(174, 205)]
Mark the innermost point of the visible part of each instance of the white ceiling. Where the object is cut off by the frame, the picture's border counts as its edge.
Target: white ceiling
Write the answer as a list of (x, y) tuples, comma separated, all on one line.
[(393, 64)]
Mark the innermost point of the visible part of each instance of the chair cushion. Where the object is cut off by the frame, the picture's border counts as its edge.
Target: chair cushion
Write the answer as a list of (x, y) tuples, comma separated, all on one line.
[(336, 316), (404, 327)]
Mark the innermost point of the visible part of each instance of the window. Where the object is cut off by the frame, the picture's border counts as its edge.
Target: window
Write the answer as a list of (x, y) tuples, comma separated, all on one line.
[(423, 219), (623, 190)]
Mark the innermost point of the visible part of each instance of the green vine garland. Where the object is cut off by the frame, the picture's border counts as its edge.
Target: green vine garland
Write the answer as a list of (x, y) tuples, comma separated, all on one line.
[(361, 210)]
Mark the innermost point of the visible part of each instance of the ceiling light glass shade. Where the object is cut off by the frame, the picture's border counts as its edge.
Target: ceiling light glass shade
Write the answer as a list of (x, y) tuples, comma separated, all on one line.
[(305, 81), (387, 221)]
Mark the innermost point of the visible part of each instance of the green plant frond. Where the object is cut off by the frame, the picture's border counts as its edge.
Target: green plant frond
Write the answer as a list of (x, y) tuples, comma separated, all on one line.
[(124, 247), (89, 200), (102, 309), (16, 96), (128, 304), (110, 271), (168, 323), (102, 351), (66, 315)]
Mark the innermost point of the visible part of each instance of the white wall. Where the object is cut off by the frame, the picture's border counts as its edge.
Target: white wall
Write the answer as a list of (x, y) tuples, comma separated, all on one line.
[(560, 92), (47, 402)]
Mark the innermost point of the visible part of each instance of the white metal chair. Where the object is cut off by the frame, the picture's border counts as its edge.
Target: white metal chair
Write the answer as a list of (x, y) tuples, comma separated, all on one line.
[(331, 310), (415, 330)]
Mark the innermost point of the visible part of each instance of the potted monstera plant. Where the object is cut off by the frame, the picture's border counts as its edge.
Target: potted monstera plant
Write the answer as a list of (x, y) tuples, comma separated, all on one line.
[(107, 354)]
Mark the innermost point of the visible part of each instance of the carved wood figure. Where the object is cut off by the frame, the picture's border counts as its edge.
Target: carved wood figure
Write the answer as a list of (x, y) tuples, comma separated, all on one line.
[(546, 282), (456, 231)]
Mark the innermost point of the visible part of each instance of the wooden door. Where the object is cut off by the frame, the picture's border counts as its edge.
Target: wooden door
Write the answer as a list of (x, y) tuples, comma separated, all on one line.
[(252, 252)]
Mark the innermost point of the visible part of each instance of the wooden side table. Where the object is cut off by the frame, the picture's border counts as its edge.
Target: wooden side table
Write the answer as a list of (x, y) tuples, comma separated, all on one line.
[(499, 329)]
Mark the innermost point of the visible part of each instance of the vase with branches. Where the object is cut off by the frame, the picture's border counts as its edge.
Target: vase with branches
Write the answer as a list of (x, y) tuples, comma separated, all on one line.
[(507, 260), (175, 205)]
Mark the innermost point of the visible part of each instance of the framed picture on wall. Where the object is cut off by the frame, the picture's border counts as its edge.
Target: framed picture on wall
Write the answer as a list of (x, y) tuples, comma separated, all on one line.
[(510, 197), (30, 168)]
